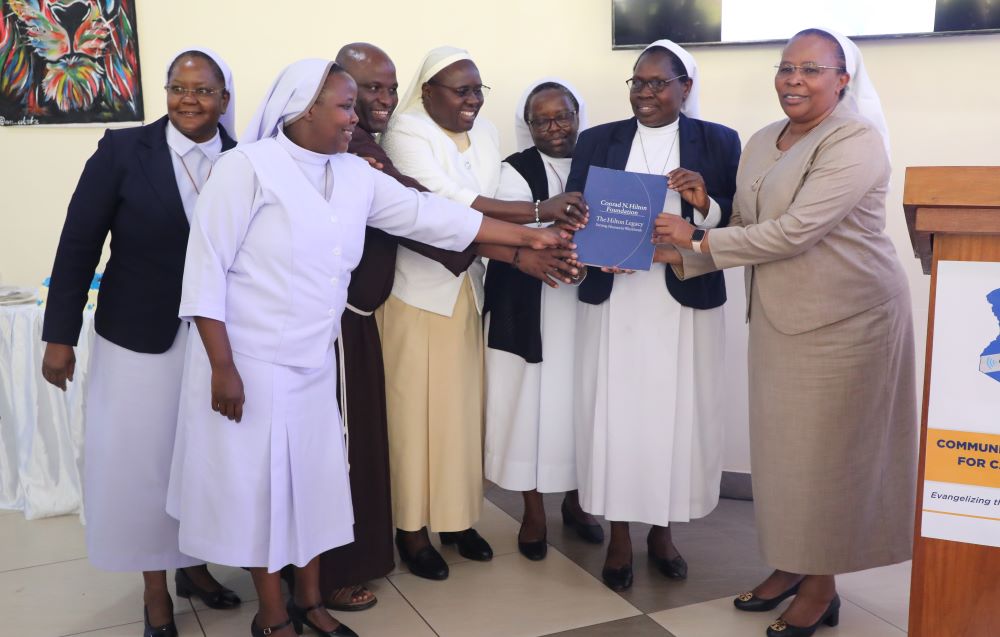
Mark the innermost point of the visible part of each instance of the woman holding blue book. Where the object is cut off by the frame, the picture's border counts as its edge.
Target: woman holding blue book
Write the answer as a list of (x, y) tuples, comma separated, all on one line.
[(649, 430)]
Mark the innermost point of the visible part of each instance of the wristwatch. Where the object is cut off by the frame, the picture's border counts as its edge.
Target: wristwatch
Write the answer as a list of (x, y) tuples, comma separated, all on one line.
[(697, 238)]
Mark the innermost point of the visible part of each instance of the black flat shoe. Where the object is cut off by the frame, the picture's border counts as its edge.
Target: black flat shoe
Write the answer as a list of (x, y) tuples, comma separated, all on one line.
[(752, 604), (592, 533), (676, 568), (427, 562), (257, 631), (166, 630), (831, 617), (534, 551), (222, 599), (471, 545), (298, 617), (618, 579)]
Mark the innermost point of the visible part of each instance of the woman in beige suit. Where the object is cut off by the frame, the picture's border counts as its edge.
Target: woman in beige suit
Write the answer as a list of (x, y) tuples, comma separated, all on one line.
[(832, 387)]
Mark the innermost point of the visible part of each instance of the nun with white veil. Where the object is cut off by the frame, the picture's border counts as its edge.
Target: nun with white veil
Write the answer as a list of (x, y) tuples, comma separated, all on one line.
[(833, 418), (649, 348), (141, 186), (260, 473), (430, 325), (529, 443)]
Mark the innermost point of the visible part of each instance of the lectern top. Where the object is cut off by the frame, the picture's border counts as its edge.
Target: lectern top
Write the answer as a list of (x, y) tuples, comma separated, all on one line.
[(949, 199)]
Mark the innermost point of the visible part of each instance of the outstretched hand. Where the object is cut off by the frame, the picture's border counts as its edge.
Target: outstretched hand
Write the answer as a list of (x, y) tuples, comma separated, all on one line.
[(569, 209), (548, 266), (551, 237), (673, 230)]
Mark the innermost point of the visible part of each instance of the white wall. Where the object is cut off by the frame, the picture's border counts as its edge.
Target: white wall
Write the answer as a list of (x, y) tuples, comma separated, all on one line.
[(941, 97)]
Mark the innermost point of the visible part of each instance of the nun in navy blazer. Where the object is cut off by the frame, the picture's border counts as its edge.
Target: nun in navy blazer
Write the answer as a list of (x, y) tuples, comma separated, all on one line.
[(128, 188), (707, 148), (648, 359), (140, 186)]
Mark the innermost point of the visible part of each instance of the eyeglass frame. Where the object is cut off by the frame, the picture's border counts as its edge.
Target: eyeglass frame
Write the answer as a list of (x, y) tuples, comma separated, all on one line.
[(206, 93), (478, 91), (549, 121), (803, 69), (632, 81)]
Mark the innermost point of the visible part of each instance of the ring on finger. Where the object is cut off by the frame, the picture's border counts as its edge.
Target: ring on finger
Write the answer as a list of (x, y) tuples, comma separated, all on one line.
[(569, 207)]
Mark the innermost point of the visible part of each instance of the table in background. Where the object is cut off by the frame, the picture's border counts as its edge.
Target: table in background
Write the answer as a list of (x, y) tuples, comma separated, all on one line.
[(41, 427)]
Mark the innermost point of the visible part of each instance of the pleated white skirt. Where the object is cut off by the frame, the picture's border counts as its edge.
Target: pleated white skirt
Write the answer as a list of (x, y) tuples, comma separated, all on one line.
[(268, 491), (131, 421)]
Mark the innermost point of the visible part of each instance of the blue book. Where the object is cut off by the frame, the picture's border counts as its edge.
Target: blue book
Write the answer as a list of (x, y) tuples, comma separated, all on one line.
[(623, 206)]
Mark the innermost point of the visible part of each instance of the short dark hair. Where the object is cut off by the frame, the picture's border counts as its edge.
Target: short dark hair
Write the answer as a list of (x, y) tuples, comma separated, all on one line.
[(549, 86), (838, 50), (675, 62), (212, 64)]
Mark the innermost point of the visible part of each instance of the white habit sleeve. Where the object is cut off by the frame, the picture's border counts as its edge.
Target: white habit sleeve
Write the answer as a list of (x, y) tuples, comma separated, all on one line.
[(422, 216)]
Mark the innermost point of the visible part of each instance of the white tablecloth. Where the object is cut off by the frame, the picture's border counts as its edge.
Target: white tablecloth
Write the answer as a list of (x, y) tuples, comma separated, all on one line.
[(41, 427)]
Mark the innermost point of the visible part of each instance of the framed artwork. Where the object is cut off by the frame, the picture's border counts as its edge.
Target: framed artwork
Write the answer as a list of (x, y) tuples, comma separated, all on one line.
[(69, 62)]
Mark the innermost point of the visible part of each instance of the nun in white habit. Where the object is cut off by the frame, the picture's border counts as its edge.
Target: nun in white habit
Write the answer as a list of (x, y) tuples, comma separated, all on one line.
[(141, 186), (649, 351), (260, 475), (529, 439)]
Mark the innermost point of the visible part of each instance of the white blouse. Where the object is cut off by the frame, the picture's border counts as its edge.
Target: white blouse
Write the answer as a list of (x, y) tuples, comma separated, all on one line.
[(657, 151), (192, 164)]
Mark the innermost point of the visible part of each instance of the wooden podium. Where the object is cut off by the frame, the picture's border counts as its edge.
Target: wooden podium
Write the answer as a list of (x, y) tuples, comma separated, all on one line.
[(953, 214)]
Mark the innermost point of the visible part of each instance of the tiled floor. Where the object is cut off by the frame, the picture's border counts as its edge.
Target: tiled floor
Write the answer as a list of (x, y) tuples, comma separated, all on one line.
[(48, 589)]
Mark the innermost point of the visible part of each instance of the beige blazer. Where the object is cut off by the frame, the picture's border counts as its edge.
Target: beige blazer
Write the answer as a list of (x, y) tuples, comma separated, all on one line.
[(809, 223)]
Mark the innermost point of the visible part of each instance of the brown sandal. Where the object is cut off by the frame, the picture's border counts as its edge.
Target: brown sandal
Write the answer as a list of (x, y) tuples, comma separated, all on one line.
[(349, 593)]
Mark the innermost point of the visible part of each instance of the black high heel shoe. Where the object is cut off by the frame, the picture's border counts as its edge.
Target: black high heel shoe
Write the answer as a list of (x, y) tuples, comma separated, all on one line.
[(752, 604), (299, 617), (830, 617), (166, 630), (534, 551), (426, 562), (257, 631), (471, 545), (618, 579), (592, 533), (222, 599), (676, 568)]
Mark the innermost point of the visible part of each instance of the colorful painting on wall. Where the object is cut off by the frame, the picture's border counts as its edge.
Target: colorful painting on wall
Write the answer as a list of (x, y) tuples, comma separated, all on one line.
[(69, 62)]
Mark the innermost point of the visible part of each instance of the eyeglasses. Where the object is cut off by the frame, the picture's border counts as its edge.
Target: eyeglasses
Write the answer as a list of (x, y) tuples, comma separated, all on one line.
[(200, 93), (562, 120), (479, 90), (635, 85), (807, 70)]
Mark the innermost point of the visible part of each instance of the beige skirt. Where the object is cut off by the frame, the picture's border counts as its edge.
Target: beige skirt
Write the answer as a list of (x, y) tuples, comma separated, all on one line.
[(434, 403), (833, 437)]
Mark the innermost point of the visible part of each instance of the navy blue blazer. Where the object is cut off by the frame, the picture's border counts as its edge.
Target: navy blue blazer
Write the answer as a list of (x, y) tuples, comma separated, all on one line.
[(127, 188), (710, 149)]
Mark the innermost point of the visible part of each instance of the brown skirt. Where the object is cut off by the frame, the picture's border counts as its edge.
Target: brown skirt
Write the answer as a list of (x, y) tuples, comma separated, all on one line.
[(833, 440), (370, 556)]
